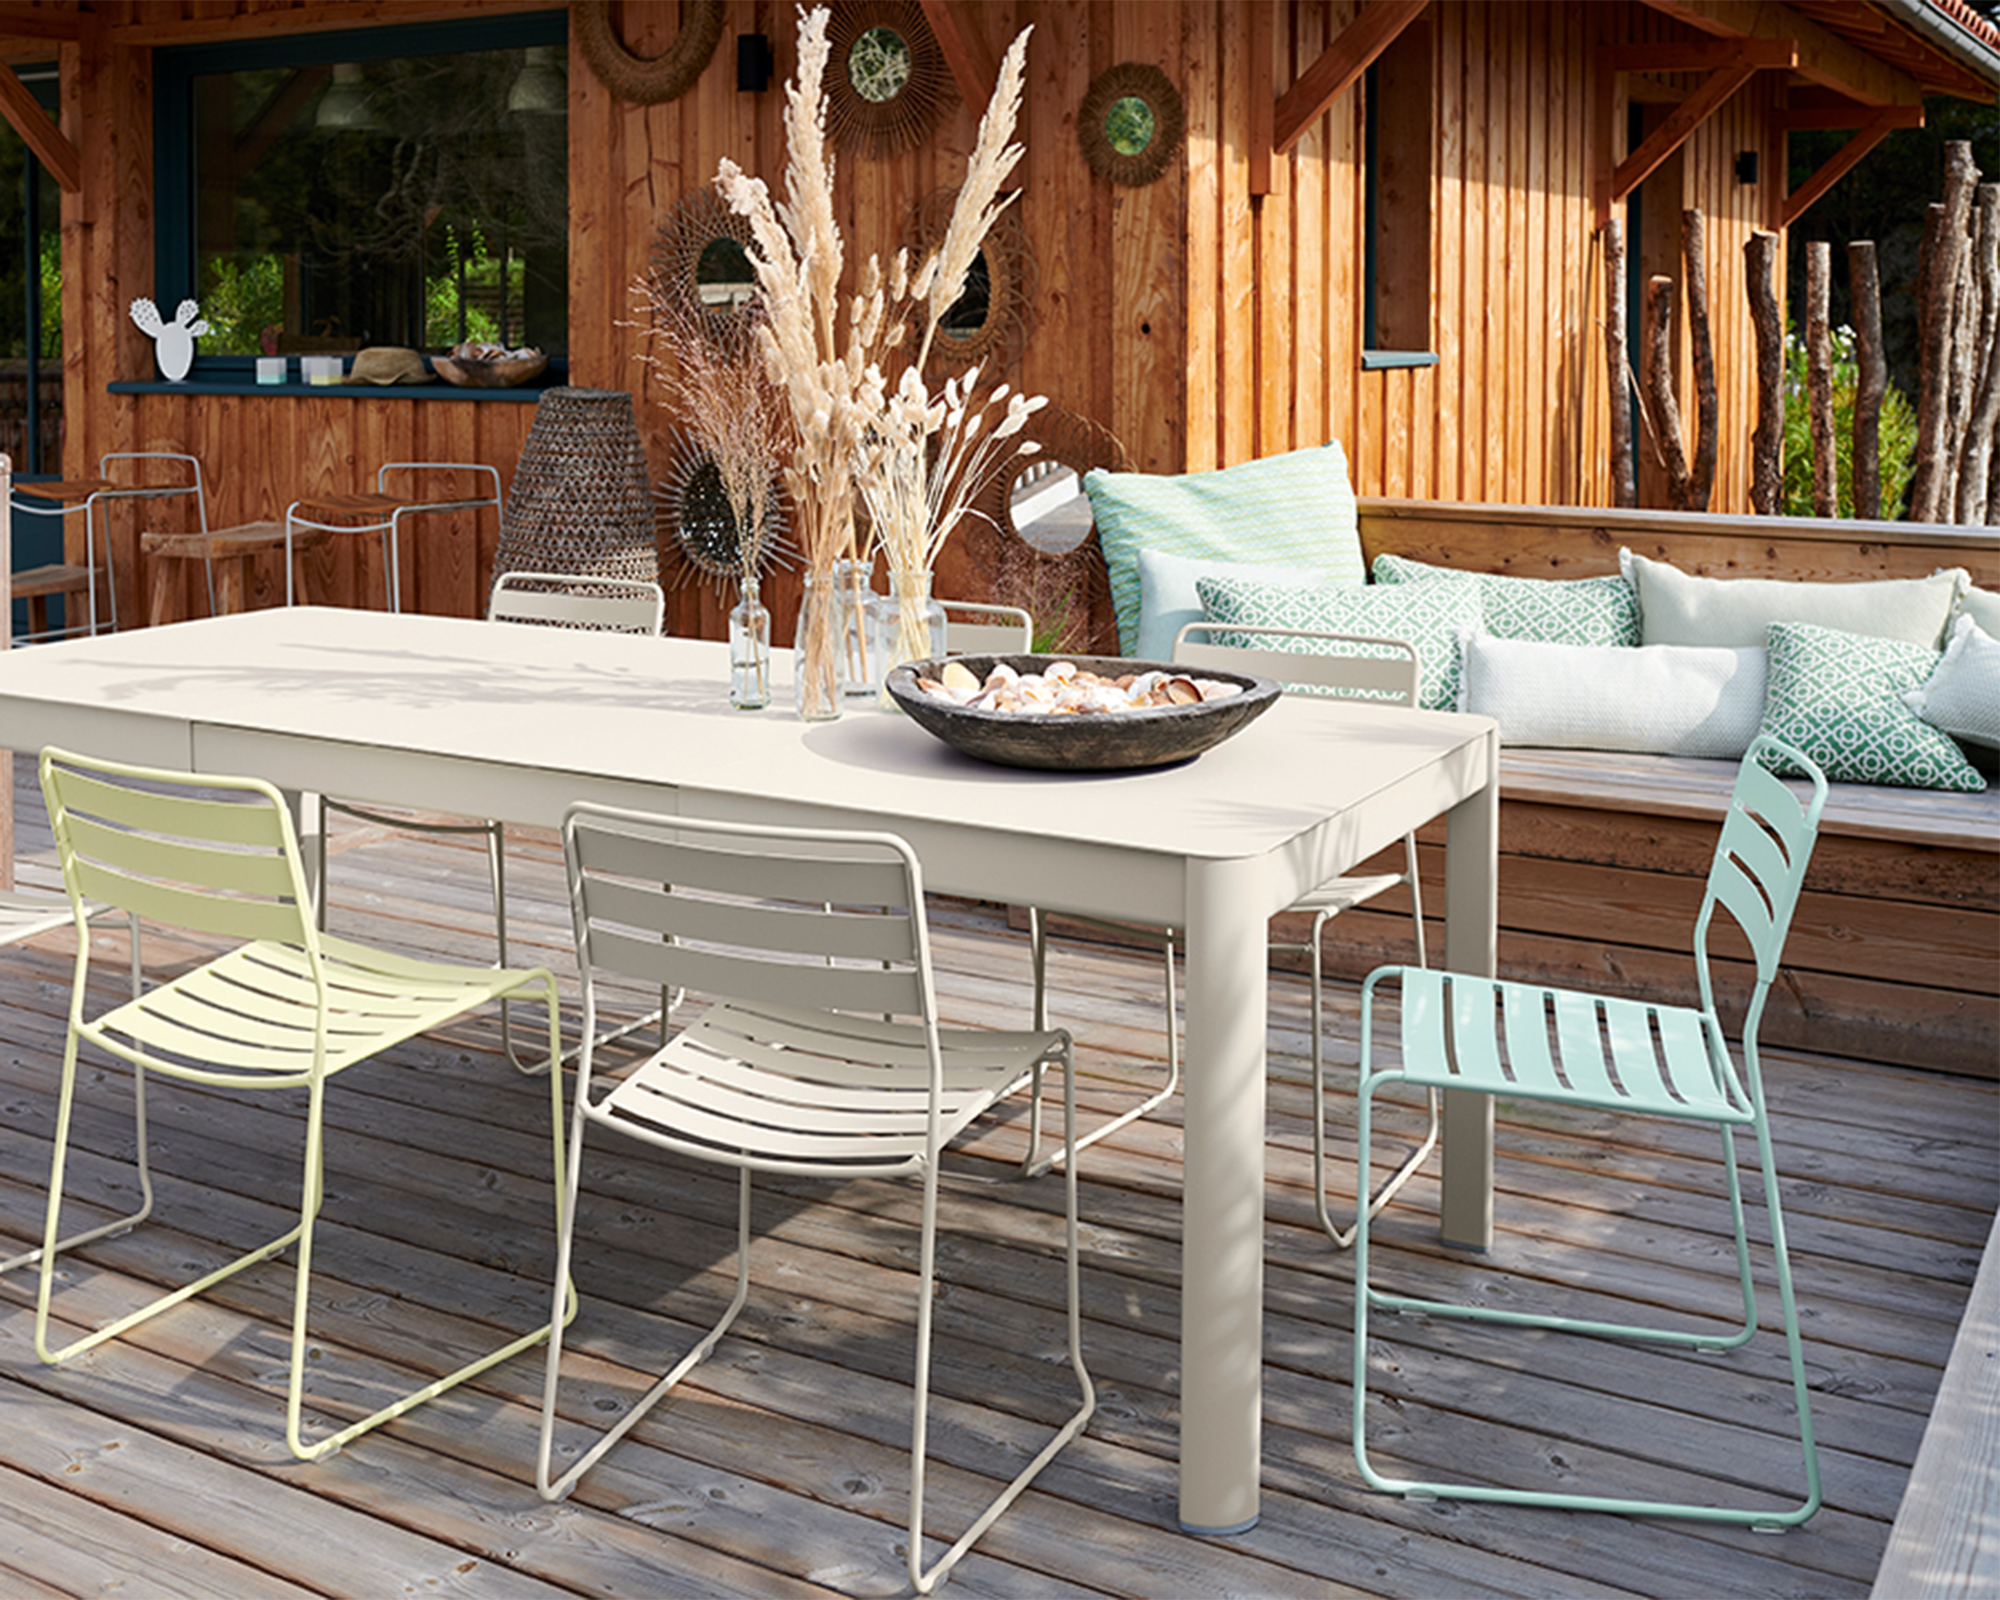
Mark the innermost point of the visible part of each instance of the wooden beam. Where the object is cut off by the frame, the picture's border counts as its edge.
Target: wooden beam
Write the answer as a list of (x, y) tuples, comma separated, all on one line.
[(1824, 58), (25, 115), (1690, 114), (1702, 55), (974, 74), (1844, 160), (1818, 118), (1263, 32), (321, 17), (51, 27), (1372, 31)]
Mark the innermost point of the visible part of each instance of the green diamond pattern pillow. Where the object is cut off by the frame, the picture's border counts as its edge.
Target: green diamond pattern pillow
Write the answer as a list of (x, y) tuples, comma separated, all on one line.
[(1839, 698), (1295, 509), (1581, 611), (1426, 616)]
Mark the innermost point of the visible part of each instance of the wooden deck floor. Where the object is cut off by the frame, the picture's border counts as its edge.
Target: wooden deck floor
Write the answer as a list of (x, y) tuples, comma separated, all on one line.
[(156, 1464)]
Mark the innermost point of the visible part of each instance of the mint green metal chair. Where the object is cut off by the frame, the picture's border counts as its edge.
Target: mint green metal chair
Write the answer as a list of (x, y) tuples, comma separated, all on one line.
[(287, 1009), (1484, 1036), (821, 1057)]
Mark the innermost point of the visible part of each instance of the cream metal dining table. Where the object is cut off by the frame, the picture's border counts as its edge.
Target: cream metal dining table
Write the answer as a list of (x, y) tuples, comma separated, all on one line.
[(515, 723)]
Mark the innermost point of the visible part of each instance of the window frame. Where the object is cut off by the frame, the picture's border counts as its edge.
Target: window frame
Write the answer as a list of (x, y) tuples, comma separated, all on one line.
[(1419, 85), (175, 270)]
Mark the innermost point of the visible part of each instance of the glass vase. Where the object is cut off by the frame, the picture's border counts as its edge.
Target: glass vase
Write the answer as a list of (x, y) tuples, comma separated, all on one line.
[(852, 582), (905, 624), (816, 647), (749, 651)]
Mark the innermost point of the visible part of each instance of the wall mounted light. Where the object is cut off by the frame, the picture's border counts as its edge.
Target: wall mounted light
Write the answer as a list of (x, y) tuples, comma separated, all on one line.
[(1746, 166), (753, 63)]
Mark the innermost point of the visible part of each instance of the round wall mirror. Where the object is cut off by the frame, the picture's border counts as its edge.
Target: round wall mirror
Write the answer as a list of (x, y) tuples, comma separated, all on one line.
[(1047, 506), (988, 324), (1131, 123), (969, 312), (701, 271), (887, 80), (878, 65)]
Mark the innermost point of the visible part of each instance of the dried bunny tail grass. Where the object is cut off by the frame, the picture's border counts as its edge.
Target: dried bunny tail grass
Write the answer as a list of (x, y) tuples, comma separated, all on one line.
[(979, 197), (809, 169)]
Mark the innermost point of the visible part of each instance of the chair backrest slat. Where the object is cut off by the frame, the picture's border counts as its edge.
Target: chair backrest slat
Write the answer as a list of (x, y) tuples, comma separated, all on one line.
[(611, 605), (1353, 665), (222, 866), (1761, 857), (829, 921), (987, 630)]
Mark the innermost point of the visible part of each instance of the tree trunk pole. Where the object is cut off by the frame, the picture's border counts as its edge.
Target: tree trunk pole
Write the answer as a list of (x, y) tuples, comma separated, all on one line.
[(1976, 457), (1656, 372), (1865, 290), (1937, 302), (1617, 362), (1819, 377), (1767, 446), (1694, 252)]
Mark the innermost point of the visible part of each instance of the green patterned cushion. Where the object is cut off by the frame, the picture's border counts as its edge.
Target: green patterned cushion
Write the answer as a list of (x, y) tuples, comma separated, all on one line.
[(1584, 611), (1426, 616), (1839, 698), (1295, 509)]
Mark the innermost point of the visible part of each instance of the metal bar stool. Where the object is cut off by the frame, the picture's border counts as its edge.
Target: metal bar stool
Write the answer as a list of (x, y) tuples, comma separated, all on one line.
[(383, 513), (114, 490), (35, 585)]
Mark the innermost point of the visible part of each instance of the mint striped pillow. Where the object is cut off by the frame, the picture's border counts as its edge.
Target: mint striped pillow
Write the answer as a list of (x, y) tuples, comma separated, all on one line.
[(1295, 509)]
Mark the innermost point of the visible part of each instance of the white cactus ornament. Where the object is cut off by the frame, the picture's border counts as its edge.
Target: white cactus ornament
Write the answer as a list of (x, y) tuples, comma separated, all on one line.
[(173, 342)]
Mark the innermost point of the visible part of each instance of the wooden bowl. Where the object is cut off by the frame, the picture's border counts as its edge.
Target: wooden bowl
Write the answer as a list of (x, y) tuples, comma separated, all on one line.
[(470, 372), (1110, 742)]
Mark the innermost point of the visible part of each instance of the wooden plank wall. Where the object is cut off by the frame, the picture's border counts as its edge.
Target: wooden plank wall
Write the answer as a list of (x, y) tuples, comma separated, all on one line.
[(1202, 324)]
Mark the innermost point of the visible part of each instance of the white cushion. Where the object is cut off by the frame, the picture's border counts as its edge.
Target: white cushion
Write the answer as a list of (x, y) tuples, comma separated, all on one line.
[(1675, 700), (1983, 606), (1962, 695), (1294, 509), (1675, 608), (1168, 600)]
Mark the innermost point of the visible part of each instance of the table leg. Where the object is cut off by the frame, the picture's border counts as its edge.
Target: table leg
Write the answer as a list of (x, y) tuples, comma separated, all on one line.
[(1222, 1200), (1471, 944)]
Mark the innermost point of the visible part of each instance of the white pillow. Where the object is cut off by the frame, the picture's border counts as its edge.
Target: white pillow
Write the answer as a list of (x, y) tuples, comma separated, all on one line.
[(1675, 608), (1983, 606), (1962, 694), (1662, 699), (1168, 600)]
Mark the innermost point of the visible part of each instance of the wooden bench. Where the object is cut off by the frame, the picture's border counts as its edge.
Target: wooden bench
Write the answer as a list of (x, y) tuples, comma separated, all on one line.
[(1895, 953)]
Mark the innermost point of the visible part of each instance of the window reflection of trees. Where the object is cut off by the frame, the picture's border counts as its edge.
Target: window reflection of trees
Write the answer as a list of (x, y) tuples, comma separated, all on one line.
[(394, 201)]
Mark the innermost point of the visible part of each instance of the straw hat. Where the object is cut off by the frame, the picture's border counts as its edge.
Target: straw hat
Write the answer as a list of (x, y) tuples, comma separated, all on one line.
[(387, 364)]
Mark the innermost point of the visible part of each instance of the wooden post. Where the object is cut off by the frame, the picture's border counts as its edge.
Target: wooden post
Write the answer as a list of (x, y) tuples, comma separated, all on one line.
[(1977, 454), (1656, 370), (1694, 252), (1767, 445), (1617, 358), (1933, 485), (1819, 376), (1864, 287)]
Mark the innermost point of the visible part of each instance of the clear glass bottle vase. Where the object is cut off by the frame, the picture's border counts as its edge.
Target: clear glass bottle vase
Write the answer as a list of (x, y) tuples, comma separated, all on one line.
[(749, 650), (816, 649), (853, 583), (905, 624)]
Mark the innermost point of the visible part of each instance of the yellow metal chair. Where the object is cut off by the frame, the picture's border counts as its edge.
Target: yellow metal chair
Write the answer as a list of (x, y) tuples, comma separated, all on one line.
[(822, 1056), (287, 1009)]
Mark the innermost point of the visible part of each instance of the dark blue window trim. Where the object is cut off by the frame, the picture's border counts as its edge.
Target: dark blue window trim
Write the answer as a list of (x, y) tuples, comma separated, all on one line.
[(174, 274)]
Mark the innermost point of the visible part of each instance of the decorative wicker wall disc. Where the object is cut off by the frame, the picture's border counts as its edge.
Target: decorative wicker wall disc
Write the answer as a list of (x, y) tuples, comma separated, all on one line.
[(642, 80), (995, 344), (580, 501), (1132, 123), (886, 77), (685, 255)]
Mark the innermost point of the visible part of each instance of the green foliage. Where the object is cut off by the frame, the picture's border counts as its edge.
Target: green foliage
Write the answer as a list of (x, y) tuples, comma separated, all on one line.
[(50, 268), (447, 321), (240, 297), (1898, 433)]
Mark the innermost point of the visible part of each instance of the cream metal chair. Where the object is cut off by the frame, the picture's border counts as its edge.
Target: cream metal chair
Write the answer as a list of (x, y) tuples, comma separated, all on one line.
[(25, 914), (287, 1009), (618, 605), (1479, 1035), (973, 628), (1384, 670), (814, 944), (384, 513)]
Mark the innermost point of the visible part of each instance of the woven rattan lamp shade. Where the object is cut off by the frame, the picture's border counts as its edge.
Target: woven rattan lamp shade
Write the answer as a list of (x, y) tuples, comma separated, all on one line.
[(580, 501)]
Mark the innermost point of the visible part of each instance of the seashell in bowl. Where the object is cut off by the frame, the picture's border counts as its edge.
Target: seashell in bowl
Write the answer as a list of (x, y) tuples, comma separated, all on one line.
[(1020, 734)]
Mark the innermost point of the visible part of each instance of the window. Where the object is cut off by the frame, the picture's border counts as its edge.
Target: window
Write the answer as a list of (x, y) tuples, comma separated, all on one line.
[(1396, 270), (30, 298), (402, 186)]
